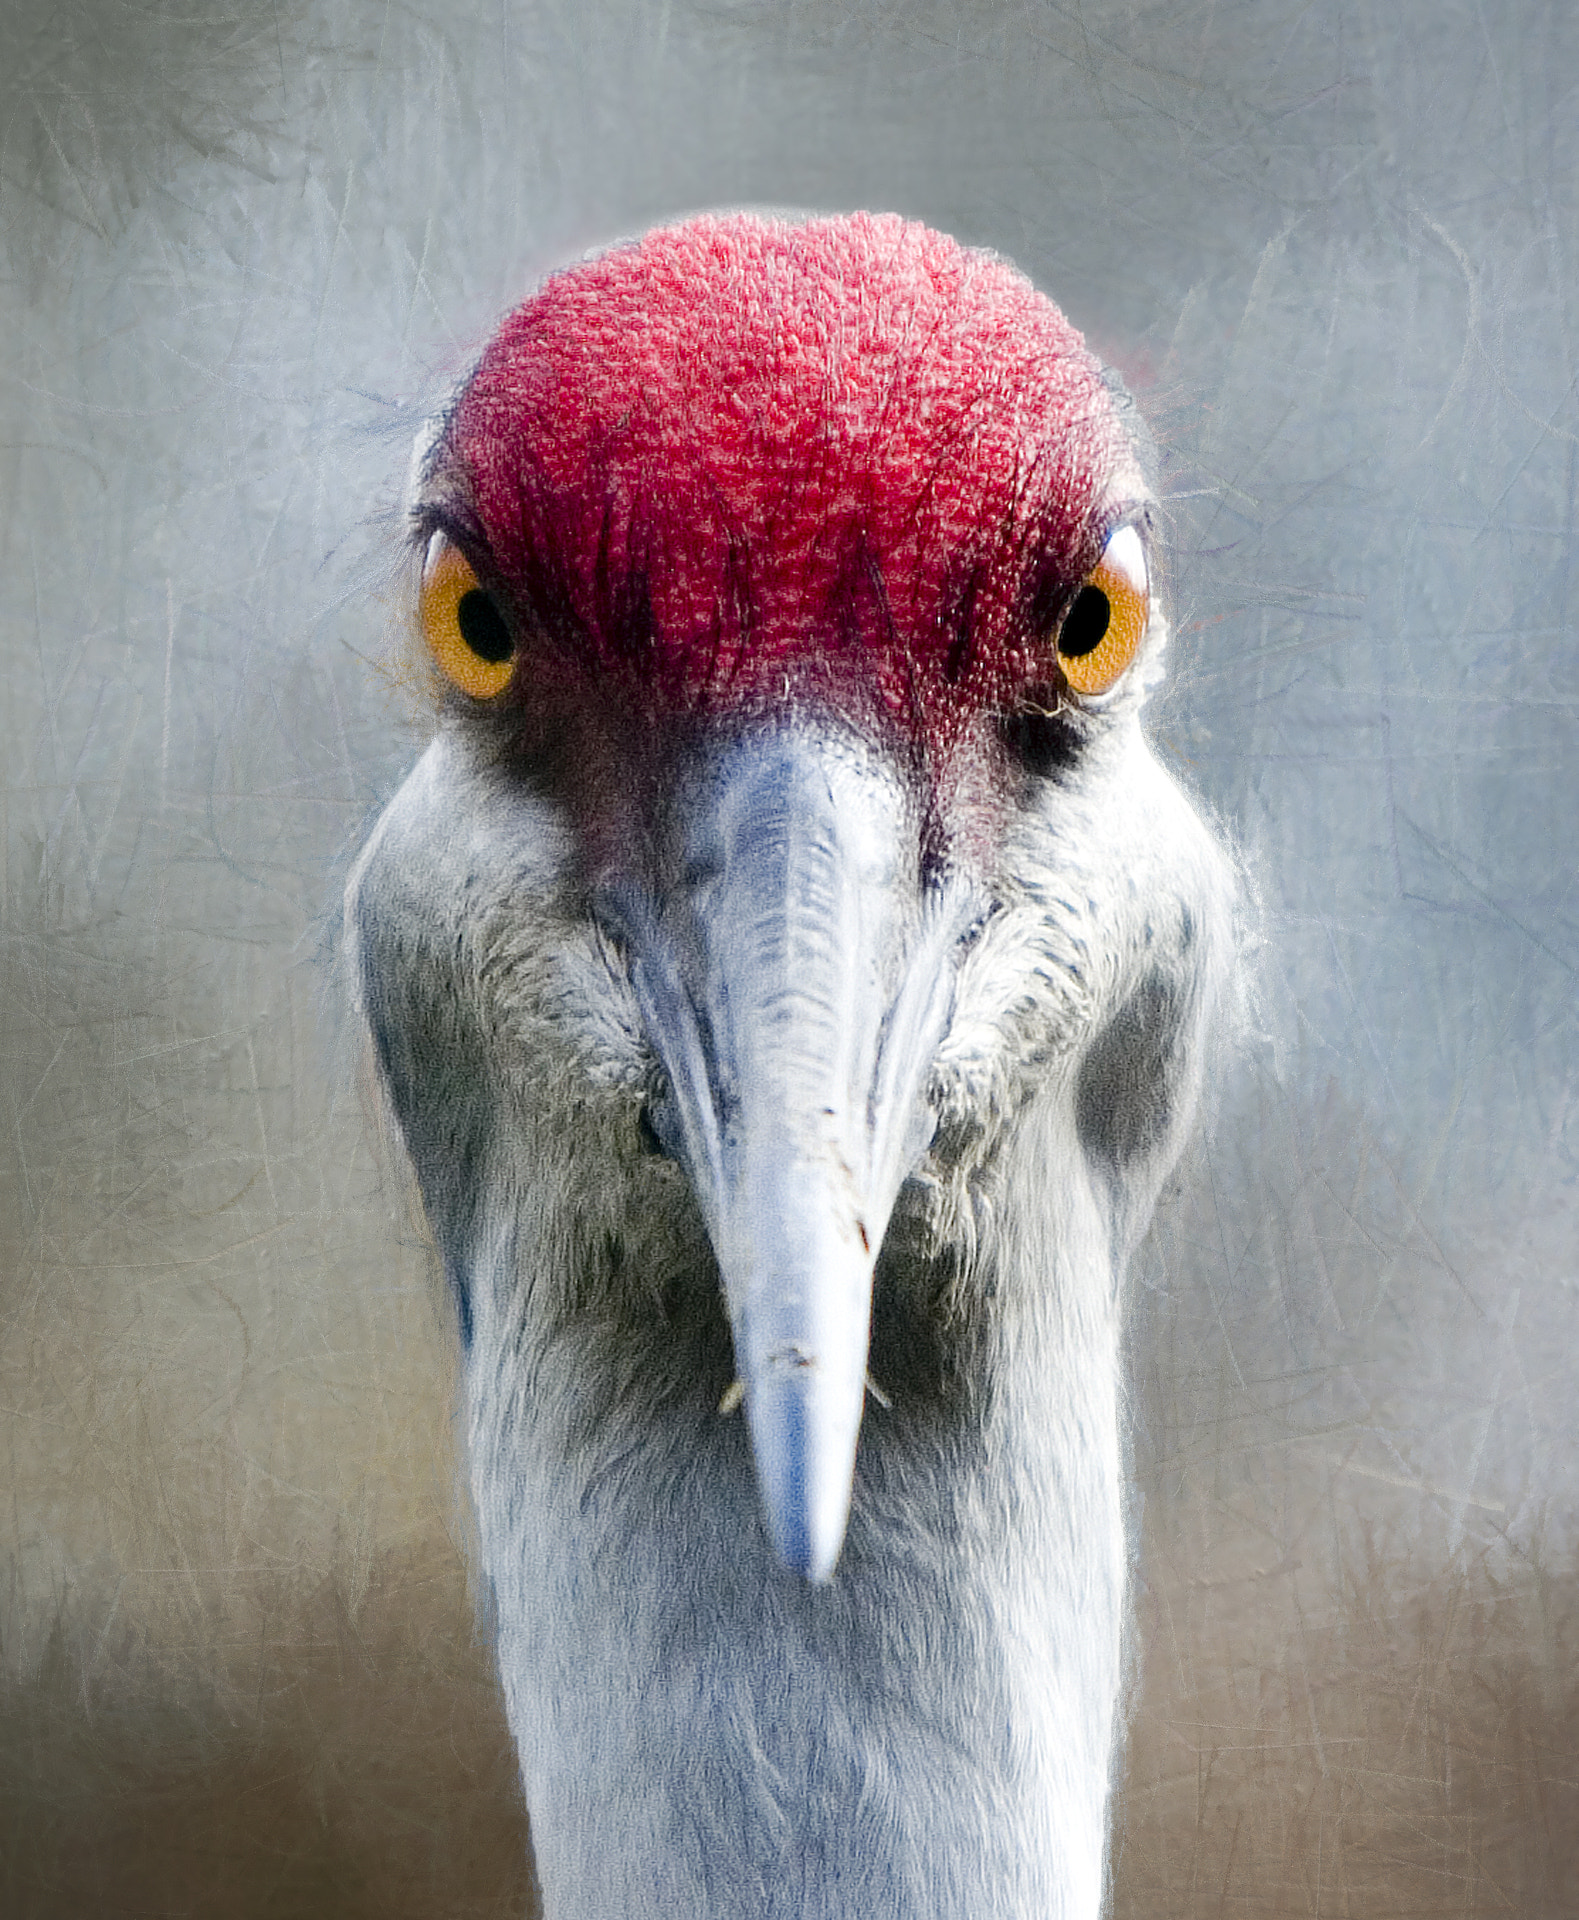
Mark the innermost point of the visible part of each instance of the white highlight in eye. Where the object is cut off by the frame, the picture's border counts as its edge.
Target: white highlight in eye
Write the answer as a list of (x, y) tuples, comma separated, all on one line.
[(1125, 555)]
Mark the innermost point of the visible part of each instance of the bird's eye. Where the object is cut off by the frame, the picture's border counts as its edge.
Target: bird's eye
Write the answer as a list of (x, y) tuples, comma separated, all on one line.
[(462, 624), (1103, 627)]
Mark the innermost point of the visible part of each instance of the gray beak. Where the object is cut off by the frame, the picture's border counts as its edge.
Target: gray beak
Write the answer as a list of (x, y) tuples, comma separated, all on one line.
[(795, 982)]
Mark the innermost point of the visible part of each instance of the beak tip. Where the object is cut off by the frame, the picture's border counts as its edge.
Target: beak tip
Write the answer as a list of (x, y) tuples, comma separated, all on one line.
[(813, 1561), (801, 1550), (805, 1473)]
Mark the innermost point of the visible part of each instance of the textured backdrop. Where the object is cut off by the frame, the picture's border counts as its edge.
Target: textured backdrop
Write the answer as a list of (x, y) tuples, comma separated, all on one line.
[(1334, 244)]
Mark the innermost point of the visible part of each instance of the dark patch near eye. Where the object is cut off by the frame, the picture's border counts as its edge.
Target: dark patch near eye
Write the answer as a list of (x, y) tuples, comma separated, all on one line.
[(1086, 625), (483, 626), (1043, 743)]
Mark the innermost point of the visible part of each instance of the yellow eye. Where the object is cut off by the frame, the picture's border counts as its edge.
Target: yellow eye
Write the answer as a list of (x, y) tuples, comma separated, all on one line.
[(1102, 629), (462, 624)]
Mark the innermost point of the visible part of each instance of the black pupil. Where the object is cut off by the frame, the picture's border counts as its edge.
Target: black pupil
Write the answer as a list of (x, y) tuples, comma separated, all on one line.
[(1086, 624), (483, 629)]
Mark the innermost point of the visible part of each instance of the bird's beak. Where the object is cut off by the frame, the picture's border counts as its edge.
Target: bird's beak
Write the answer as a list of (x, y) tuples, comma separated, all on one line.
[(795, 980)]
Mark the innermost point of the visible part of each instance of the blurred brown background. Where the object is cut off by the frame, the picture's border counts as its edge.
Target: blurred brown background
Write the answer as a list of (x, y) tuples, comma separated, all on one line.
[(243, 249)]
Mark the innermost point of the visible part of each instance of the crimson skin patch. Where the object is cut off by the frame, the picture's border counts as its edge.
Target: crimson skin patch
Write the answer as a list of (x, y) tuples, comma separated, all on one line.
[(740, 453)]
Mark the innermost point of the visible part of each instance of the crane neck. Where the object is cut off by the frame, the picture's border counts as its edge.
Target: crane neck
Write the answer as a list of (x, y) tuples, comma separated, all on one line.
[(704, 1733)]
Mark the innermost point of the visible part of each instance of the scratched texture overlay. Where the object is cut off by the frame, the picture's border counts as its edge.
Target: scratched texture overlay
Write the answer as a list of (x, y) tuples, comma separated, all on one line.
[(1335, 246)]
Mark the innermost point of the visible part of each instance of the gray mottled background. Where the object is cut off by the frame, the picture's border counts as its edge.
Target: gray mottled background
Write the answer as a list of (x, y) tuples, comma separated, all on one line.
[(1335, 246)]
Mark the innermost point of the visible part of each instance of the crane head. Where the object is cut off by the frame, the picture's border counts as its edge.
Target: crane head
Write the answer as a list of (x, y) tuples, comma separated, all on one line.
[(788, 569)]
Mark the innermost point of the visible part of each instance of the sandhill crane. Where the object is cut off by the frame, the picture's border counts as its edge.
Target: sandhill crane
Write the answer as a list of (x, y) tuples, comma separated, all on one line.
[(789, 968)]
